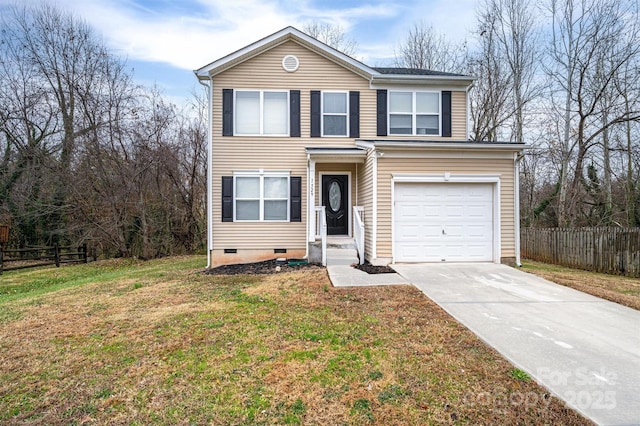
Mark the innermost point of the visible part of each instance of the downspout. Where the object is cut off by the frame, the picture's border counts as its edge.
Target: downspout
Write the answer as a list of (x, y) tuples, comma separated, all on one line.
[(516, 170), (209, 87), (374, 228), (467, 90), (307, 230)]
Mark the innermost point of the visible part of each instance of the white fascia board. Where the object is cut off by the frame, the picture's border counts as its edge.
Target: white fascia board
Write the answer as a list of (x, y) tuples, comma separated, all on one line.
[(284, 34), (381, 80), (446, 145), (450, 154)]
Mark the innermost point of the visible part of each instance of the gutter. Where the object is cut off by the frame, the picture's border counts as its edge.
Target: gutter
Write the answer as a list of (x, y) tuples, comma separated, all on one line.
[(209, 87), (426, 144), (435, 80)]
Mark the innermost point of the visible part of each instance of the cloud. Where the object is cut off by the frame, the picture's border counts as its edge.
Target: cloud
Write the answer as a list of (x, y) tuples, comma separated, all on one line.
[(185, 37), (188, 34)]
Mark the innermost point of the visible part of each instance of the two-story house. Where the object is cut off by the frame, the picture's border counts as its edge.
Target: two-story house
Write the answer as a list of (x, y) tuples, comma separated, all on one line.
[(302, 135)]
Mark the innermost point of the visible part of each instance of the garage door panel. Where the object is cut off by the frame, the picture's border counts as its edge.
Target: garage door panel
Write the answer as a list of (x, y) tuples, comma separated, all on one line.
[(408, 211), (453, 232), (478, 231), (431, 212), (420, 252), (443, 221), (453, 213), (409, 232), (482, 212)]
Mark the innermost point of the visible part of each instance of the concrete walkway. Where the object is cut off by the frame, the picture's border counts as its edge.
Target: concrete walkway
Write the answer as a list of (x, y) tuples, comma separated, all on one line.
[(341, 254), (583, 349)]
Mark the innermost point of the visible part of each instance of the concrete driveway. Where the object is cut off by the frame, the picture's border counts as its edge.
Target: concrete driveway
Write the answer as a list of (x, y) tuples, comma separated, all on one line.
[(582, 348)]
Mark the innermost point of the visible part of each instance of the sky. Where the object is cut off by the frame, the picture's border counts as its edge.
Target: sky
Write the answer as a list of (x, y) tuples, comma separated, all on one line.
[(163, 41)]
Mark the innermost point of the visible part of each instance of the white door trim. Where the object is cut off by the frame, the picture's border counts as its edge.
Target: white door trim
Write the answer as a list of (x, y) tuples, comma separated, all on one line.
[(321, 189), (450, 178)]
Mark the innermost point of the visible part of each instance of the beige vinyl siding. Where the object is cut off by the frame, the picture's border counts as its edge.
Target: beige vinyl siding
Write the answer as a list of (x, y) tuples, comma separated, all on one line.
[(366, 200), (389, 166), (458, 120), (459, 116), (316, 72), (274, 153)]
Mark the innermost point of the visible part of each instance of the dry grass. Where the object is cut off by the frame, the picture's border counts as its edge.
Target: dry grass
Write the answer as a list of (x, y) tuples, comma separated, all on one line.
[(159, 343), (619, 289)]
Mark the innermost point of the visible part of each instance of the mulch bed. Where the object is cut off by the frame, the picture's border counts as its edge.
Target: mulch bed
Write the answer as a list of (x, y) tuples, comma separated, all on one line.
[(372, 269), (263, 268)]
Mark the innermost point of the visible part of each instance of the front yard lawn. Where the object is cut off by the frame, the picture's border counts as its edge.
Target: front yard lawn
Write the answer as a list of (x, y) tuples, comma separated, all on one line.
[(619, 289), (124, 342)]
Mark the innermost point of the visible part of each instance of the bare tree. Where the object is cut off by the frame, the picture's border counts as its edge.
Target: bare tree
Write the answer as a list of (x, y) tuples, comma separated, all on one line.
[(332, 35), (491, 100), (517, 37), (68, 61), (628, 87), (592, 41), (85, 153), (425, 48)]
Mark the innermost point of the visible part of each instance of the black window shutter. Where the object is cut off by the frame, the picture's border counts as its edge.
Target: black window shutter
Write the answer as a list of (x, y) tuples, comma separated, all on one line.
[(295, 183), (382, 112), (446, 114), (354, 114), (227, 198), (227, 112), (294, 113), (315, 113)]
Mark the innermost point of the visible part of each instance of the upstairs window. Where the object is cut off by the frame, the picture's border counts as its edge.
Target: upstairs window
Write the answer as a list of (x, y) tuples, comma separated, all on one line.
[(261, 112), (414, 113), (335, 113)]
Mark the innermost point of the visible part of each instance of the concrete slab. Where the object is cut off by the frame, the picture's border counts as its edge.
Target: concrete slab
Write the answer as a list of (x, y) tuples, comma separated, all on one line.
[(584, 349), (342, 274), (348, 276)]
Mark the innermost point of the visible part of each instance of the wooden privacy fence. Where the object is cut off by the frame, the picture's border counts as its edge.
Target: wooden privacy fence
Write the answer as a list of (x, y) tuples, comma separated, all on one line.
[(41, 256), (608, 250)]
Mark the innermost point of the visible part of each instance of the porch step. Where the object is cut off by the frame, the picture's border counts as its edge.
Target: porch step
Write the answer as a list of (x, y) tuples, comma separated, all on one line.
[(341, 256), (341, 243)]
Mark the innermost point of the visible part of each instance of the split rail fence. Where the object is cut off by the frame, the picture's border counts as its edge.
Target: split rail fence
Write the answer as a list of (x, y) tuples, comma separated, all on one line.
[(608, 250), (31, 257)]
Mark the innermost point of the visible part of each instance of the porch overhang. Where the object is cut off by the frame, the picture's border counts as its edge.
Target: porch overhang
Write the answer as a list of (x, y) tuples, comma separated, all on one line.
[(336, 154)]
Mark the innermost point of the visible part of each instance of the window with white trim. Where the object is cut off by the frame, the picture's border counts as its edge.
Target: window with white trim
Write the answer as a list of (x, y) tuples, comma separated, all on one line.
[(414, 113), (261, 196), (261, 112), (335, 113)]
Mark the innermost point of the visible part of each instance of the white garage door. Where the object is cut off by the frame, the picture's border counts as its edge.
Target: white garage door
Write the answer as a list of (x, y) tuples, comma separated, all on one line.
[(436, 222)]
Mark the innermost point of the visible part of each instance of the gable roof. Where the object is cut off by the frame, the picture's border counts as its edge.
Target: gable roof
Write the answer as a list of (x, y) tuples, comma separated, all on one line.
[(374, 75)]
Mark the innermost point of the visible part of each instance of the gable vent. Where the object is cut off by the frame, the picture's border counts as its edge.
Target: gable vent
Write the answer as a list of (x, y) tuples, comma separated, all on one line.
[(290, 63)]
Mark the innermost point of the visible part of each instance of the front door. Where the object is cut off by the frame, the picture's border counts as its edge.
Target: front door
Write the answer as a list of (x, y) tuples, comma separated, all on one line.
[(334, 198)]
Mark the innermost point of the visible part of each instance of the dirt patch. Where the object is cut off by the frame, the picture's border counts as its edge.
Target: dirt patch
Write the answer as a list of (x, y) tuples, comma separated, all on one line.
[(264, 268), (372, 269)]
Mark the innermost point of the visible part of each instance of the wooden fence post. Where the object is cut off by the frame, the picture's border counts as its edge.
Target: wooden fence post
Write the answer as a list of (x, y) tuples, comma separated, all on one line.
[(1, 255), (56, 254), (84, 252)]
